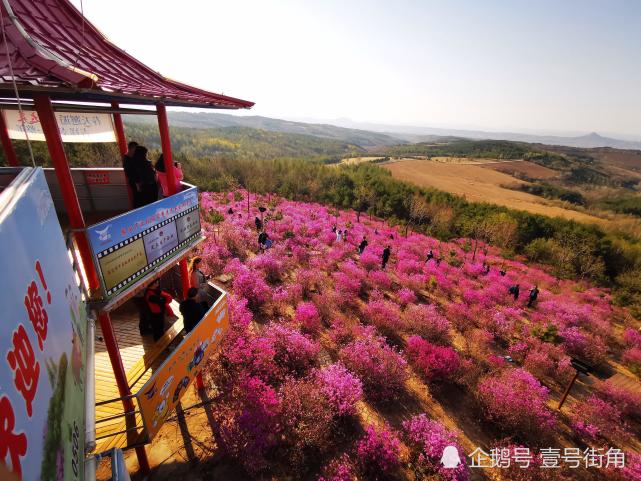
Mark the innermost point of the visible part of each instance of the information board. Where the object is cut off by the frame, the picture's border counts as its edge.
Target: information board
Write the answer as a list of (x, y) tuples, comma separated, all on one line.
[(73, 126), (130, 246), (42, 340), (160, 394)]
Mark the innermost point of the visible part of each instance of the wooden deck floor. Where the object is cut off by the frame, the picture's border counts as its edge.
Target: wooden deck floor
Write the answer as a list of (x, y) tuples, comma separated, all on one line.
[(140, 357)]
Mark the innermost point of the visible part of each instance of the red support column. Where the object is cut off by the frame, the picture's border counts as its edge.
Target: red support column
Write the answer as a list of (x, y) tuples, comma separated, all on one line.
[(9, 152), (47, 118), (120, 130), (165, 142)]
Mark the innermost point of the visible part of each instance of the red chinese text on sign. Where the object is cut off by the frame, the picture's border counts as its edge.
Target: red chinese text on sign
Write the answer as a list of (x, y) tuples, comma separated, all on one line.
[(10, 443), (25, 367)]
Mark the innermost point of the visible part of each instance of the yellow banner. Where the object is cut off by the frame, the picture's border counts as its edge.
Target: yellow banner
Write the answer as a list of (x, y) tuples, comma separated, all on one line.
[(123, 263), (162, 392)]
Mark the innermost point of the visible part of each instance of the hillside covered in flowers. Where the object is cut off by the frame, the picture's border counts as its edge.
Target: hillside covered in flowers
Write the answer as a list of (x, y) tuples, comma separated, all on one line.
[(336, 368)]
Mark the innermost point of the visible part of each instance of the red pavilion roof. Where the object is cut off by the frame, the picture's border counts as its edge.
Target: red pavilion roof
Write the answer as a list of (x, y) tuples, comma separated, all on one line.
[(53, 50)]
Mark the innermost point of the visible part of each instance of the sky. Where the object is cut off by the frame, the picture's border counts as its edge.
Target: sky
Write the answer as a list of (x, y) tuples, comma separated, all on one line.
[(560, 66)]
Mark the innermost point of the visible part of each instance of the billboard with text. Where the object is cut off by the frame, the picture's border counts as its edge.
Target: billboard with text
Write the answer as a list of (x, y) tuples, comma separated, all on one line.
[(128, 247), (42, 340)]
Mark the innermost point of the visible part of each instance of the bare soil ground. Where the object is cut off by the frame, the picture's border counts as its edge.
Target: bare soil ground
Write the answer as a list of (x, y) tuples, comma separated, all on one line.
[(479, 184)]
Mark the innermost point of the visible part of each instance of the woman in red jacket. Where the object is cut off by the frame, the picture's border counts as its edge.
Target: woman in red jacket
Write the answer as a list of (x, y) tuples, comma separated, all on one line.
[(158, 301)]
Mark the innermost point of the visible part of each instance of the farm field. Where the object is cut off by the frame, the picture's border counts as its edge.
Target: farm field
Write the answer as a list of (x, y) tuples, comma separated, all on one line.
[(524, 168), (338, 369), (480, 183)]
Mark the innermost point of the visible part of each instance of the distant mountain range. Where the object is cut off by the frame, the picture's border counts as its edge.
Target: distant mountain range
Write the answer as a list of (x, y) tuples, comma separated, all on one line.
[(370, 135)]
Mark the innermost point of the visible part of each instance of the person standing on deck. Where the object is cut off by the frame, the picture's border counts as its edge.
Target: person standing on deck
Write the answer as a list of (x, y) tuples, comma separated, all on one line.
[(191, 310), (145, 178), (157, 300), (162, 176)]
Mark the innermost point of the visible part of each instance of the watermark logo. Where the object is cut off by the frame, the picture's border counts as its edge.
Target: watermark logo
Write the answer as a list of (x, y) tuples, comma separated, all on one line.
[(450, 458)]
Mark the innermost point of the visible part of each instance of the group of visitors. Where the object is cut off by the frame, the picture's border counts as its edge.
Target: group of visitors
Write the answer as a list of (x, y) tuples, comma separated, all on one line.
[(147, 181), (341, 235), (515, 291), (156, 303)]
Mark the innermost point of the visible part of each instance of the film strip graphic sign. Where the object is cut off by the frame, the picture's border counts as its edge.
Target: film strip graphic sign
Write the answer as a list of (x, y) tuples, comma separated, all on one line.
[(135, 257)]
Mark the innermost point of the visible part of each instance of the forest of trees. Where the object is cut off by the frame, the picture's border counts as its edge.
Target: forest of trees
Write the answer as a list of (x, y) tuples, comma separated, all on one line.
[(295, 166)]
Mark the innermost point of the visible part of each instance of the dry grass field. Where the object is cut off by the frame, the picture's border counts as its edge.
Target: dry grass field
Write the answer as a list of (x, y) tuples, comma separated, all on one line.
[(523, 168), (479, 183)]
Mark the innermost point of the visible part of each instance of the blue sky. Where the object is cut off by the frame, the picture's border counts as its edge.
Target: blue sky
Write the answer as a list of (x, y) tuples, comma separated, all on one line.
[(542, 66)]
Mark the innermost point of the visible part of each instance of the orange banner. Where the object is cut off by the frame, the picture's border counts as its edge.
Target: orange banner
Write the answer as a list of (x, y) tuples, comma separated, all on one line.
[(162, 392)]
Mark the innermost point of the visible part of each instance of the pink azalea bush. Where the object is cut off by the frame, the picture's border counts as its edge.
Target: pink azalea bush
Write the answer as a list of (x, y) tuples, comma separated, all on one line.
[(308, 317), (426, 321), (380, 367), (378, 450), (435, 363), (342, 388), (428, 440), (516, 401), (247, 426)]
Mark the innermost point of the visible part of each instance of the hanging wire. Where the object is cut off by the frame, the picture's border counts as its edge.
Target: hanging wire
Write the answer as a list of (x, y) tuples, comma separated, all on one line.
[(15, 88), (82, 38)]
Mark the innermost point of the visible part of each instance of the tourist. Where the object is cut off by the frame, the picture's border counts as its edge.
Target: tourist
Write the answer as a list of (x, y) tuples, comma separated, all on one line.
[(230, 211), (162, 176), (345, 235), (128, 165), (334, 229), (514, 290), (339, 235), (259, 224), (191, 310), (145, 178), (534, 294), (198, 279), (157, 300), (486, 268), (362, 245), (430, 256), (385, 257), (502, 272), (264, 242)]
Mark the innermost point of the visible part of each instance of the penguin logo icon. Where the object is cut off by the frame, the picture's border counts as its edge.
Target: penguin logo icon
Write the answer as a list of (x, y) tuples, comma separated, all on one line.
[(450, 458)]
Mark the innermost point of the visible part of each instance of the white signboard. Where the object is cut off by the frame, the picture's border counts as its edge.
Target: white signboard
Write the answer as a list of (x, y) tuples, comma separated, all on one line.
[(74, 127)]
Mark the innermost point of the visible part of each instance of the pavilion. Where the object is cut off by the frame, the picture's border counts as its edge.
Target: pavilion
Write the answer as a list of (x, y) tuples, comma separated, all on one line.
[(53, 60)]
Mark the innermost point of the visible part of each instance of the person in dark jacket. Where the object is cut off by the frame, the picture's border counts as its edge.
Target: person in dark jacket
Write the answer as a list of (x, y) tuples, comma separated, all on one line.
[(259, 224), (534, 294), (191, 310), (145, 178), (128, 166), (514, 290), (385, 257), (362, 245), (157, 300), (430, 256)]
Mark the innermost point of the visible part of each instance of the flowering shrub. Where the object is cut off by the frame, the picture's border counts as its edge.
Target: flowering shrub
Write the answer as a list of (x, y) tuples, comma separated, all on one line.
[(250, 285), (385, 315), (248, 423), (380, 367), (342, 388), (436, 363), (584, 345), (378, 451), (307, 316), (369, 260), (516, 401), (427, 322), (339, 469), (632, 357), (306, 419), (594, 418), (406, 296), (627, 401), (428, 440), (294, 352), (632, 337)]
